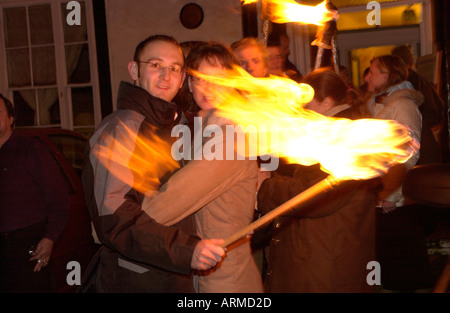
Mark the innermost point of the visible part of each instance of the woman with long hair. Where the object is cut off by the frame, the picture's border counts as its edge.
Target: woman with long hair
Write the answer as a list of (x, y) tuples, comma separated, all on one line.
[(401, 246)]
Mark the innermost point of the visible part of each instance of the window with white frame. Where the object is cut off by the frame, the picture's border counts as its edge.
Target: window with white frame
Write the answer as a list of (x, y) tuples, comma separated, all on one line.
[(51, 72)]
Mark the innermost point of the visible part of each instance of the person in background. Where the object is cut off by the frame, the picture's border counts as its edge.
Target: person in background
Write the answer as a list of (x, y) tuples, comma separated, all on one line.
[(252, 56), (34, 208), (394, 98), (137, 253), (401, 246), (219, 192), (433, 110), (326, 245), (289, 68), (275, 62)]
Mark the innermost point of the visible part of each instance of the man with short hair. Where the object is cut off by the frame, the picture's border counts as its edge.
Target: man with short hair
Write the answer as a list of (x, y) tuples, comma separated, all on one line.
[(138, 254), (276, 61), (289, 68), (279, 63)]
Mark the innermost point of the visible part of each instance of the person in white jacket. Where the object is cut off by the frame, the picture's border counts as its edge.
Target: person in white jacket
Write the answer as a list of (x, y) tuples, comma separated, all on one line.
[(394, 98), (400, 239)]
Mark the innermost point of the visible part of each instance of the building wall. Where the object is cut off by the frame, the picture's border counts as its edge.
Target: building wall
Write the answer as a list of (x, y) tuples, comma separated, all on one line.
[(129, 22)]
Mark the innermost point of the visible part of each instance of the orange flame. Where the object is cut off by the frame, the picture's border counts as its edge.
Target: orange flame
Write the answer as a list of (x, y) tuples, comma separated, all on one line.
[(285, 11), (271, 109), (244, 2), (139, 162)]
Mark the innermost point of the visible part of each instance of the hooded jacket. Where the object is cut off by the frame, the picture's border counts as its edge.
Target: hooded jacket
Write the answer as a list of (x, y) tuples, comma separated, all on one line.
[(402, 105), (138, 254)]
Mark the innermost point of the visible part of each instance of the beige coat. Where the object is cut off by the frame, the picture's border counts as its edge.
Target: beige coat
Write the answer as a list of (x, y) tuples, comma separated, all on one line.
[(221, 194), (401, 106)]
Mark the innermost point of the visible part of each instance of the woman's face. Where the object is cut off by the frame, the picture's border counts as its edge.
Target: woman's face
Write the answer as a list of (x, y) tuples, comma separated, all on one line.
[(376, 79), (320, 106), (205, 92)]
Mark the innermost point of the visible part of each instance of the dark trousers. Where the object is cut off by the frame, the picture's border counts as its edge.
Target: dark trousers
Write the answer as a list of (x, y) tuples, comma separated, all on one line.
[(401, 249), (16, 271)]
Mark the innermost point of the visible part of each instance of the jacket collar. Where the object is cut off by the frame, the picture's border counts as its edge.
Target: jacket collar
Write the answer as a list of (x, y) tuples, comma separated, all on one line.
[(158, 111), (336, 109), (403, 85)]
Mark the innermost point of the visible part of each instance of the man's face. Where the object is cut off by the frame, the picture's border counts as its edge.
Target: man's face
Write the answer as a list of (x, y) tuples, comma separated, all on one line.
[(251, 60), (275, 60), (285, 51), (159, 70), (375, 79), (5, 120)]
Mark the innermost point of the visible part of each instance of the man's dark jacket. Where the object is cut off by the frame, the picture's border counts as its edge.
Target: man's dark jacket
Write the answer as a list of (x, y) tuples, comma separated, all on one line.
[(137, 253)]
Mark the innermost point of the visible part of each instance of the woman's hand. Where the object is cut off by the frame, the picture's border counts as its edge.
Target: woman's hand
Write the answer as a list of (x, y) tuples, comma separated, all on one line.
[(388, 206)]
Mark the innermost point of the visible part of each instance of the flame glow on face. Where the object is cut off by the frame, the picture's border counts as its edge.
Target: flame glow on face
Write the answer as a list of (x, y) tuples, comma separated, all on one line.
[(347, 149), (203, 91)]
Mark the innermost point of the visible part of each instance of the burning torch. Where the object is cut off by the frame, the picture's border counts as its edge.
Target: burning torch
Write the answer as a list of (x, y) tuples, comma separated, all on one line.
[(271, 111), (326, 39), (346, 149), (273, 108), (289, 11), (265, 19)]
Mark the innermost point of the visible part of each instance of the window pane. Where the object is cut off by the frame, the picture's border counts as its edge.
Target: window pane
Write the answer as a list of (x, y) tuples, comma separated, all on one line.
[(77, 62), (15, 22), (48, 101), (41, 31), (44, 67), (25, 107), (82, 106), (74, 33), (18, 67)]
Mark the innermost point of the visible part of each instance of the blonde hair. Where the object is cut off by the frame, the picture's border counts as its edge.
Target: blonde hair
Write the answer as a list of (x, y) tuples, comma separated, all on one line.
[(250, 42)]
